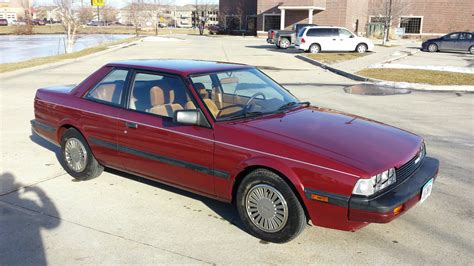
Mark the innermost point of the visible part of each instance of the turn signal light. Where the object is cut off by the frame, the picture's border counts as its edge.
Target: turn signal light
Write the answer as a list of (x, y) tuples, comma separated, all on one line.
[(397, 210), (319, 198)]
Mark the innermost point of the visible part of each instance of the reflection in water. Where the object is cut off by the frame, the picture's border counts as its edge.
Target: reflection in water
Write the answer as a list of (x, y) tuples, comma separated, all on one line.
[(15, 48), (21, 222)]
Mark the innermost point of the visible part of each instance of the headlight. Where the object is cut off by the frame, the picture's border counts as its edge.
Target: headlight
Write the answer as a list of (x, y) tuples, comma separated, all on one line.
[(370, 186)]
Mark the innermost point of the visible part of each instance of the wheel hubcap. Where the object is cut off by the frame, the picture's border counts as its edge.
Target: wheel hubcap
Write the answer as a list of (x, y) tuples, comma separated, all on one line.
[(361, 49), (284, 44), (266, 208), (314, 49), (75, 154)]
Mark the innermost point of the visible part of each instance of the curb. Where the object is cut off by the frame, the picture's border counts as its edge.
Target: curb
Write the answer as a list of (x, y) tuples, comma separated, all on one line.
[(333, 69), (409, 86), (16, 73)]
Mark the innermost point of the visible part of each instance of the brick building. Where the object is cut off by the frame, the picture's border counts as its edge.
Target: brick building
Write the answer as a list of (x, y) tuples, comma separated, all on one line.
[(416, 17)]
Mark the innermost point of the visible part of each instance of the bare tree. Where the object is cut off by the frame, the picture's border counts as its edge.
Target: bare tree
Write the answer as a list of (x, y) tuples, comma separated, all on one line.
[(135, 13), (201, 14), (70, 21), (156, 10), (85, 15), (390, 11)]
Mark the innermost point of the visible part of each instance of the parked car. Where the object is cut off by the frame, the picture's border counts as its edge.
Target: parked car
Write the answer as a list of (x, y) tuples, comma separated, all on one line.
[(229, 132), (38, 22), (323, 39), (285, 38), (456, 41), (215, 29), (3, 22)]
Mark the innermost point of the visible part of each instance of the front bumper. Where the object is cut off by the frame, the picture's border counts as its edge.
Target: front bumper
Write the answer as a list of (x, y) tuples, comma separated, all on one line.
[(388, 205)]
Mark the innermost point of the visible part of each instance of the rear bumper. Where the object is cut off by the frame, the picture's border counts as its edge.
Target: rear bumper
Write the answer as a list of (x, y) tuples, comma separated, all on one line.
[(269, 40), (391, 204)]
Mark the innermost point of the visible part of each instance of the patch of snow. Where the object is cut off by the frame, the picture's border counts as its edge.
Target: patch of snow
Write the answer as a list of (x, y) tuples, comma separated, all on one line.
[(422, 86), (467, 70)]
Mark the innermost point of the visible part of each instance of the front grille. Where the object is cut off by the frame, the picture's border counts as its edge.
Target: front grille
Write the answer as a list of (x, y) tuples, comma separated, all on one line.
[(406, 170)]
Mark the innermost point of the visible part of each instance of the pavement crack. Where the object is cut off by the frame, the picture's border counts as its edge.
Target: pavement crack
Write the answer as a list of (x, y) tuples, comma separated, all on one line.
[(31, 211)]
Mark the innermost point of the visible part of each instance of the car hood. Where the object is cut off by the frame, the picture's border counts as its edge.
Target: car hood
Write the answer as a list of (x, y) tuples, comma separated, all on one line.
[(369, 146)]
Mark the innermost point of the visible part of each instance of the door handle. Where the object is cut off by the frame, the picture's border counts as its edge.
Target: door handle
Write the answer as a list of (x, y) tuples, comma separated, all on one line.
[(131, 125)]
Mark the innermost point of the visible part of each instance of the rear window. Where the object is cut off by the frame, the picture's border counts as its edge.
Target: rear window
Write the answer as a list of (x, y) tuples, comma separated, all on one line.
[(322, 32)]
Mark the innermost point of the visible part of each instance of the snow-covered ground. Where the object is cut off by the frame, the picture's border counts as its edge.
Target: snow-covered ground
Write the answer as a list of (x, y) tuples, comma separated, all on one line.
[(425, 87), (457, 69)]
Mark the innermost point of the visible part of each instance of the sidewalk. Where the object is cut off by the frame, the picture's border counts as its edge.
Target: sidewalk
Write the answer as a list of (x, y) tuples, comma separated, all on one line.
[(400, 49)]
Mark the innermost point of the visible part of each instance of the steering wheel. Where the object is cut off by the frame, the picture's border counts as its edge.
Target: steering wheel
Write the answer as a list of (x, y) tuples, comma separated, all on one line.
[(247, 105)]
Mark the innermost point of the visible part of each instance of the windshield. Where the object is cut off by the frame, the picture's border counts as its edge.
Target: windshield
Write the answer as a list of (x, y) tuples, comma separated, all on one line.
[(241, 93)]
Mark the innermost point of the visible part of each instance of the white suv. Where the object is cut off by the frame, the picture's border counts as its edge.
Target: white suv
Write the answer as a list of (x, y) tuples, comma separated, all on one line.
[(319, 38)]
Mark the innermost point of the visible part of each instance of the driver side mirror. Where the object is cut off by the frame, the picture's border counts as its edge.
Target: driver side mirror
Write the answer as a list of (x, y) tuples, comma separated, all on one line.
[(190, 117)]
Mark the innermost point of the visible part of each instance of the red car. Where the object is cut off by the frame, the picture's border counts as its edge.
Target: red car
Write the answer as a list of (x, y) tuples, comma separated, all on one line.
[(229, 132)]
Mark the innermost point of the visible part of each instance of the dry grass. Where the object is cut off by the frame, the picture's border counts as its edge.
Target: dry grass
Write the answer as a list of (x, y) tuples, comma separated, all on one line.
[(419, 76), (331, 58), (58, 29), (50, 59)]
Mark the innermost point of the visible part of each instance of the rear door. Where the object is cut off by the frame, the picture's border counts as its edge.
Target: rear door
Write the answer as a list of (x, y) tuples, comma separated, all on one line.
[(153, 145), (325, 37)]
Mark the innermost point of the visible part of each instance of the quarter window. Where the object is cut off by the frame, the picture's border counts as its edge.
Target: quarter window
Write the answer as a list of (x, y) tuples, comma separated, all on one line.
[(110, 89), (159, 94)]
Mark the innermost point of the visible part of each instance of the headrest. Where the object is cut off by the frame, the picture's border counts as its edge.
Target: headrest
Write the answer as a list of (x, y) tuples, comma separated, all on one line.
[(201, 89)]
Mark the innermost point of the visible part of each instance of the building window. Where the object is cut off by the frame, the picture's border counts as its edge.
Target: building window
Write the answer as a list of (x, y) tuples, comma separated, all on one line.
[(380, 20), (271, 22), (411, 25)]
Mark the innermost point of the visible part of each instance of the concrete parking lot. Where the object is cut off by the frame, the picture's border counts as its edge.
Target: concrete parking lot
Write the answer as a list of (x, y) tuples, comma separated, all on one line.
[(47, 217)]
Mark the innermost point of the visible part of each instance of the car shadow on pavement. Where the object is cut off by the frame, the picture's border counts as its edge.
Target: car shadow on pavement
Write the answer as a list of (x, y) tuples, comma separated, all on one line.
[(225, 211), (273, 48), (21, 222)]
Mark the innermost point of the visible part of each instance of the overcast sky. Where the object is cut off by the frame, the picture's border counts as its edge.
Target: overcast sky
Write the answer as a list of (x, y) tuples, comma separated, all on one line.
[(121, 3)]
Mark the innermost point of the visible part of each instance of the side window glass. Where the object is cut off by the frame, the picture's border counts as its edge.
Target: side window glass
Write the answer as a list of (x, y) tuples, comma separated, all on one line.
[(454, 36), (110, 89), (158, 94), (344, 33)]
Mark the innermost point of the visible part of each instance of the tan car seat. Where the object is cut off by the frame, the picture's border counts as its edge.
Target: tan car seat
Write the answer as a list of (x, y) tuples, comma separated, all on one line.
[(211, 105), (162, 102)]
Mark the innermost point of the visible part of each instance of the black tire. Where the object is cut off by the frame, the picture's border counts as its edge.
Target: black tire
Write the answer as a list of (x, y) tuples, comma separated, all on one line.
[(92, 169), (284, 43), (361, 48), (296, 219), (432, 48), (314, 48)]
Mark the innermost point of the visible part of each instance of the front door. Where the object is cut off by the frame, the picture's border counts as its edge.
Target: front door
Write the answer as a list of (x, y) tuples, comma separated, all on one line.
[(450, 42), (153, 145)]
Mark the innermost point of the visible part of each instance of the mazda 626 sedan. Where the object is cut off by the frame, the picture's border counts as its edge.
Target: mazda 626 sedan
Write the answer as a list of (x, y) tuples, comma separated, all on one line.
[(229, 132)]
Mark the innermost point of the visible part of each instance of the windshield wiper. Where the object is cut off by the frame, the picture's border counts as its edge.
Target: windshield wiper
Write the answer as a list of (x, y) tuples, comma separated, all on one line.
[(291, 104), (242, 115)]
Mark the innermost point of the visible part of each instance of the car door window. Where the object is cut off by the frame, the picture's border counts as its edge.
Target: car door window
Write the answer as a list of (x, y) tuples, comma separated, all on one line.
[(452, 37), (109, 90), (159, 94), (343, 33), (465, 36)]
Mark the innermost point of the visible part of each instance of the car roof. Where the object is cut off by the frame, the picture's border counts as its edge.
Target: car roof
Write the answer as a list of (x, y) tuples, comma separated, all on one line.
[(324, 27), (179, 66)]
